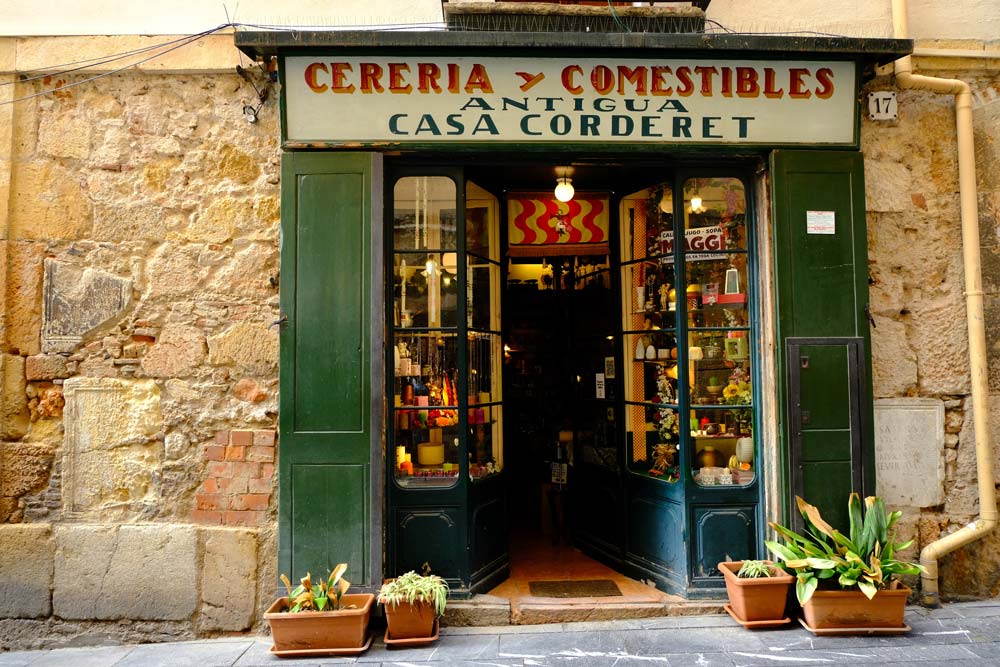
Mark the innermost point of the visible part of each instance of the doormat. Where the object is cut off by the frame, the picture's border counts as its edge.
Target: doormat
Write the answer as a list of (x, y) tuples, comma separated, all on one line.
[(588, 588)]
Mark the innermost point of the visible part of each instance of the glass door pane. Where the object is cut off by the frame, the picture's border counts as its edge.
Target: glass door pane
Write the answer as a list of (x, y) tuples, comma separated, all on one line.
[(718, 331), (485, 346), (649, 328), (426, 407)]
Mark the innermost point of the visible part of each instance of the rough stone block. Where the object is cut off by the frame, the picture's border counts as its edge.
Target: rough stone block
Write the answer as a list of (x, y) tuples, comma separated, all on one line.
[(110, 461), (887, 186), (77, 301), (251, 347), (70, 137), (24, 467), (230, 556), (178, 352), (902, 427), (26, 562), (145, 572), (23, 295), (173, 271), (48, 202), (894, 363), (45, 367), (14, 413)]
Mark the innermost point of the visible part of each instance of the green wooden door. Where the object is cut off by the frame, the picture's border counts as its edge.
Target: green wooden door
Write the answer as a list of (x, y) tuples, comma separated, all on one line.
[(821, 273), (326, 422)]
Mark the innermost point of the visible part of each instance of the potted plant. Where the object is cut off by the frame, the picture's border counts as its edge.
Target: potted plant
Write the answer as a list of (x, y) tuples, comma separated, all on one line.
[(757, 592), (413, 603), (320, 617), (847, 581)]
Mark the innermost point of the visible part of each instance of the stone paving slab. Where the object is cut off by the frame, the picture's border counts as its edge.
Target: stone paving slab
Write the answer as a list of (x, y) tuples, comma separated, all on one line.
[(958, 635)]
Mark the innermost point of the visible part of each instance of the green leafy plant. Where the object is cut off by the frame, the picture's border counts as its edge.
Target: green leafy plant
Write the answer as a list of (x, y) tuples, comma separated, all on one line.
[(865, 559), (754, 569), (321, 596), (413, 588)]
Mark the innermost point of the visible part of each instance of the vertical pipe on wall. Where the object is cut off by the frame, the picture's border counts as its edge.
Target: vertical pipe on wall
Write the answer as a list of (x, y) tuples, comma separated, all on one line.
[(987, 520)]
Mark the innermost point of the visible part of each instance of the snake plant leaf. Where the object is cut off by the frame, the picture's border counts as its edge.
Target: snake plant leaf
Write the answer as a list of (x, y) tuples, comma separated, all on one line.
[(856, 518), (792, 536), (847, 581), (780, 550), (867, 588), (902, 546), (825, 574), (288, 586), (821, 563), (337, 573), (805, 587), (811, 512), (342, 586), (321, 603)]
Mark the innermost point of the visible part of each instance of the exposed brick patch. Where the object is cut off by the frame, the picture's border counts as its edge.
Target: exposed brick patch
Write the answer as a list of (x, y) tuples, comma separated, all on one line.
[(239, 479)]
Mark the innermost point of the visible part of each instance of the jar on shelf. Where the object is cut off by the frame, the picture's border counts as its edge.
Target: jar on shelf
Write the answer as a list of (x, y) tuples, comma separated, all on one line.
[(708, 457)]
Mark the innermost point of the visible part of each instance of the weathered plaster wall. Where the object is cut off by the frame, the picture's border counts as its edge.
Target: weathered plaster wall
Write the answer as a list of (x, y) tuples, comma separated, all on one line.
[(920, 347), (138, 372)]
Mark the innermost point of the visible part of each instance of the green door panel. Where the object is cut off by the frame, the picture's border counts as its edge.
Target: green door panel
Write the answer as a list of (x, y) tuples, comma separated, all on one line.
[(722, 533), (821, 281), (825, 386), (329, 510), (427, 535), (333, 530), (832, 445), (829, 484), (331, 327)]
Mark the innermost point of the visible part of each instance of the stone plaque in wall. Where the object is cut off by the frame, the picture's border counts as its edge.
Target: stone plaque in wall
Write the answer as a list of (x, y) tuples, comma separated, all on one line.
[(111, 454), (909, 451), (76, 301)]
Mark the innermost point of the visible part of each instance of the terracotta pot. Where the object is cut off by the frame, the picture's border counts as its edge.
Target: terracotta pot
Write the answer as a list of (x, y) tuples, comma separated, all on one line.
[(761, 599), (851, 609), (410, 621), (345, 628)]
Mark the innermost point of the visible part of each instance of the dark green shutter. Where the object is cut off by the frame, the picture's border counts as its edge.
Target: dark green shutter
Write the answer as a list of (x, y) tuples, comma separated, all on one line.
[(329, 510), (824, 347)]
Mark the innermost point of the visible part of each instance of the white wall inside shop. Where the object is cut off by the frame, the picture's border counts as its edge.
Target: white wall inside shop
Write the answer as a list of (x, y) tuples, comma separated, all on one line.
[(181, 17)]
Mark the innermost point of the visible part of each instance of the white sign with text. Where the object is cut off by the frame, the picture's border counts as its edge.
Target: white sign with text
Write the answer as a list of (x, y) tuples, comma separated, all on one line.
[(419, 99)]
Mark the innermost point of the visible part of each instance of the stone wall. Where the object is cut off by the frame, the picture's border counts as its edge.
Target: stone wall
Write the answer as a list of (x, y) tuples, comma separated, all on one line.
[(138, 368), (920, 345), (138, 372)]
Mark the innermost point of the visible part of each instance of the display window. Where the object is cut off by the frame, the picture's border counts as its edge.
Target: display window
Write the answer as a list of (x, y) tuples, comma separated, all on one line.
[(687, 334)]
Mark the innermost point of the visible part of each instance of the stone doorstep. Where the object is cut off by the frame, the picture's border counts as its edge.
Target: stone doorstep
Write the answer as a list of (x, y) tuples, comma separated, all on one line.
[(484, 610)]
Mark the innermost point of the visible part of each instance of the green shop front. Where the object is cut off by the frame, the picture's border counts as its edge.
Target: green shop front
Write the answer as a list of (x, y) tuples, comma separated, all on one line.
[(602, 290)]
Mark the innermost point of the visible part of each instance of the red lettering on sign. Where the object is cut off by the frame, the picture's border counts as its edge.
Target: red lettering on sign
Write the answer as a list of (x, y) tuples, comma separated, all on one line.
[(660, 86), (706, 74), (310, 75), (568, 81), (603, 79), (370, 75), (636, 76), (338, 78), (685, 85), (478, 78), (769, 90), (396, 83), (825, 78), (746, 82), (796, 86), (427, 77)]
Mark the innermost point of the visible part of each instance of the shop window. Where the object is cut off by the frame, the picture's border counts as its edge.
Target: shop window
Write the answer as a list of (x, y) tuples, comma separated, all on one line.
[(706, 309)]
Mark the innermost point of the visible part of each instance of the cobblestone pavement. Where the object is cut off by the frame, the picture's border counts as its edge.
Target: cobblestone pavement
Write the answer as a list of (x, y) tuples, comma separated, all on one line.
[(957, 634)]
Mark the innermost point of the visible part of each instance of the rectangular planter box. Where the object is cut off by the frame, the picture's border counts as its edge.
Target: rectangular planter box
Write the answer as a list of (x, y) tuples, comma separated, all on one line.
[(851, 609), (346, 628)]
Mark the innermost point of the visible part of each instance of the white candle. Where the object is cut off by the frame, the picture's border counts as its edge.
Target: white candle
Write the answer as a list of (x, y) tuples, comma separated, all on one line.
[(402, 288)]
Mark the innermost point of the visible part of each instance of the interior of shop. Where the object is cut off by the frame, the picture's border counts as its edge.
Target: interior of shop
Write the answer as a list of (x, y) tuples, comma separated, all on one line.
[(560, 281)]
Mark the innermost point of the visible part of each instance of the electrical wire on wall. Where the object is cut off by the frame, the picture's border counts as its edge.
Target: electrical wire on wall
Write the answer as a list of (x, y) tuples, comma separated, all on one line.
[(163, 48)]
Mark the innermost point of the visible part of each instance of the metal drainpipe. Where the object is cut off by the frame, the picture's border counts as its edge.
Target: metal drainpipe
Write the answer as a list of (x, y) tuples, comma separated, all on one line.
[(987, 520)]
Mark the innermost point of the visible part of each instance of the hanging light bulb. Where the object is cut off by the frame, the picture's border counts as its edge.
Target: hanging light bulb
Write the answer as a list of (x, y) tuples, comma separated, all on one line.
[(564, 189), (696, 204)]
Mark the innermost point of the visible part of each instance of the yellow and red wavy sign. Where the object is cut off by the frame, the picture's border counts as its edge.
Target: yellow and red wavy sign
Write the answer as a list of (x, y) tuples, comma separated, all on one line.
[(538, 223)]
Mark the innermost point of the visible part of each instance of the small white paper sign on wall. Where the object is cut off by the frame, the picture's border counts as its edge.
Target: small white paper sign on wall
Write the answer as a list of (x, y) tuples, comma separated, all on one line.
[(821, 222), (599, 385)]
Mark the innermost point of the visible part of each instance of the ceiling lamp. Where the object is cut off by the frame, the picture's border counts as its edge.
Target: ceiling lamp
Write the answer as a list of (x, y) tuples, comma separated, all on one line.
[(564, 189), (696, 206)]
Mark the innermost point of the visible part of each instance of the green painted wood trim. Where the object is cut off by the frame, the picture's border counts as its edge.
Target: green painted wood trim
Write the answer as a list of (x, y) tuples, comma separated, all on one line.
[(326, 421), (783, 165)]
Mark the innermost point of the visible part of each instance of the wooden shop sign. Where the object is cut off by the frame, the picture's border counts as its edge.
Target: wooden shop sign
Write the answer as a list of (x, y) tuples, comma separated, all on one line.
[(413, 99)]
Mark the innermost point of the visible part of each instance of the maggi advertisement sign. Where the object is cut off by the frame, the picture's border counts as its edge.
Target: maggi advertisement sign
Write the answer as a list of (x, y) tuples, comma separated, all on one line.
[(411, 99)]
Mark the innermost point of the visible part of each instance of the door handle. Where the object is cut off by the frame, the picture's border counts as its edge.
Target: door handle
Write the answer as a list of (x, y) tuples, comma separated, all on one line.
[(281, 322), (871, 319)]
